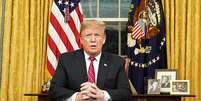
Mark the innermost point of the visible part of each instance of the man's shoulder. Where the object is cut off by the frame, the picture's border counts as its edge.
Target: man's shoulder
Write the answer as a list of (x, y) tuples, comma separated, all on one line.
[(113, 56), (72, 53)]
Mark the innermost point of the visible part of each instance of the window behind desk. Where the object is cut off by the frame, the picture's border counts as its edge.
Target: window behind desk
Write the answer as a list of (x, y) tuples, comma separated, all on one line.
[(114, 13)]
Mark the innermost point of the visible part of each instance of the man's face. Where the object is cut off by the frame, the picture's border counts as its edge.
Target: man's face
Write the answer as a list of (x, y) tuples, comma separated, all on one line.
[(93, 40), (155, 84), (165, 79)]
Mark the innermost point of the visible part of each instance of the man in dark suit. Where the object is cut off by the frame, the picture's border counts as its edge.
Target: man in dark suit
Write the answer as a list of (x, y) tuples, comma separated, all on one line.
[(165, 81), (74, 79)]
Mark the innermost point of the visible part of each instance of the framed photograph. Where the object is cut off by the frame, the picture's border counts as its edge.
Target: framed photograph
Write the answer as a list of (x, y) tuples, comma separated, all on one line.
[(165, 76), (153, 86), (180, 87)]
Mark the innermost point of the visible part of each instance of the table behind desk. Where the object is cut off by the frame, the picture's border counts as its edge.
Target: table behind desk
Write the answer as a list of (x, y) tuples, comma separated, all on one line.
[(139, 97), (158, 97)]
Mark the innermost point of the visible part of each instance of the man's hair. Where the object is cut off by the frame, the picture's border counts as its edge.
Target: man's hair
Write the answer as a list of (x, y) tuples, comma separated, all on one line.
[(92, 24), (165, 76)]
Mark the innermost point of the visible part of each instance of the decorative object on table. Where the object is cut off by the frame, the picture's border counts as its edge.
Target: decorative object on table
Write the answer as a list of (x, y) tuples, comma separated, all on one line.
[(46, 86), (180, 87), (153, 86), (165, 76)]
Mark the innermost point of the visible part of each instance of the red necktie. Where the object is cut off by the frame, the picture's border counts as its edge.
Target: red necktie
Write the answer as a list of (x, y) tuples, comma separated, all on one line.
[(91, 72)]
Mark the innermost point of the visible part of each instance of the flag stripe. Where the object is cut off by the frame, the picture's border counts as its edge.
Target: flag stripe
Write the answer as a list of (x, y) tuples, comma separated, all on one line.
[(79, 13), (53, 47), (51, 58), (50, 68)]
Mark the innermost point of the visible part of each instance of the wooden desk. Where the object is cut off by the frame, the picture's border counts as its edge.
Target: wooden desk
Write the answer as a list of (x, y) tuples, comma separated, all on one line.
[(41, 96), (157, 97), (139, 97)]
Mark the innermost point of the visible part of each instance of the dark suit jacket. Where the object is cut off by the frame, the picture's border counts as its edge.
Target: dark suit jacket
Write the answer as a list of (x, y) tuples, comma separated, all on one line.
[(71, 73), (165, 85)]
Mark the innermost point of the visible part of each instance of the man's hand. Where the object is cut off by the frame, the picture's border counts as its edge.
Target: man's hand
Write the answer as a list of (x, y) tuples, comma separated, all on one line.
[(82, 96), (91, 92)]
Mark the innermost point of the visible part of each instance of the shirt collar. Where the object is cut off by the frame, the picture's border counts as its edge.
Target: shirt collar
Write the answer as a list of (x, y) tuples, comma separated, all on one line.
[(97, 57)]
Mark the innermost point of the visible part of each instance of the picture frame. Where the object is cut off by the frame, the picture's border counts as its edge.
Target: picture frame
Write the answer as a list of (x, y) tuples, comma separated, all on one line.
[(153, 86), (180, 87), (165, 76)]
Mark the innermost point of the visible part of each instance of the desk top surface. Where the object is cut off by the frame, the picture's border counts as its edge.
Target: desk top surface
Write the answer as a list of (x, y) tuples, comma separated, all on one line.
[(138, 95), (35, 94)]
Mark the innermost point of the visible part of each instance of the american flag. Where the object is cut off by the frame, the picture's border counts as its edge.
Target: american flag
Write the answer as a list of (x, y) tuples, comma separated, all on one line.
[(65, 19), (137, 31)]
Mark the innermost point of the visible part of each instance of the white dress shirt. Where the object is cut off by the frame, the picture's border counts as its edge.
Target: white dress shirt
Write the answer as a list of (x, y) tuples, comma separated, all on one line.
[(95, 63)]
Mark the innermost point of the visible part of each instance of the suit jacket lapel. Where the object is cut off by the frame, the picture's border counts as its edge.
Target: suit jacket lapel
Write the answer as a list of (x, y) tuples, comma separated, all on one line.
[(82, 65), (103, 70)]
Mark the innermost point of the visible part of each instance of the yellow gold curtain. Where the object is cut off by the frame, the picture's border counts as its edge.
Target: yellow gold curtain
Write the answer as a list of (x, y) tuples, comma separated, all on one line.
[(0, 14), (24, 48), (183, 27)]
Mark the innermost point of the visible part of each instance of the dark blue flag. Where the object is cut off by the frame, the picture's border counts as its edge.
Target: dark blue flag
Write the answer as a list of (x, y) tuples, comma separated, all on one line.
[(146, 41)]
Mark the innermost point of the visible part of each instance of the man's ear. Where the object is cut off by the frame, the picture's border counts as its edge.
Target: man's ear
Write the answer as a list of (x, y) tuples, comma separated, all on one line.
[(104, 39), (81, 41)]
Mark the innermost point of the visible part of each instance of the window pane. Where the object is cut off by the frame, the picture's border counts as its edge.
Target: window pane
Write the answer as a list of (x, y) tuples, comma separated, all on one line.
[(125, 5), (111, 44), (112, 32), (109, 8), (123, 38), (89, 8)]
